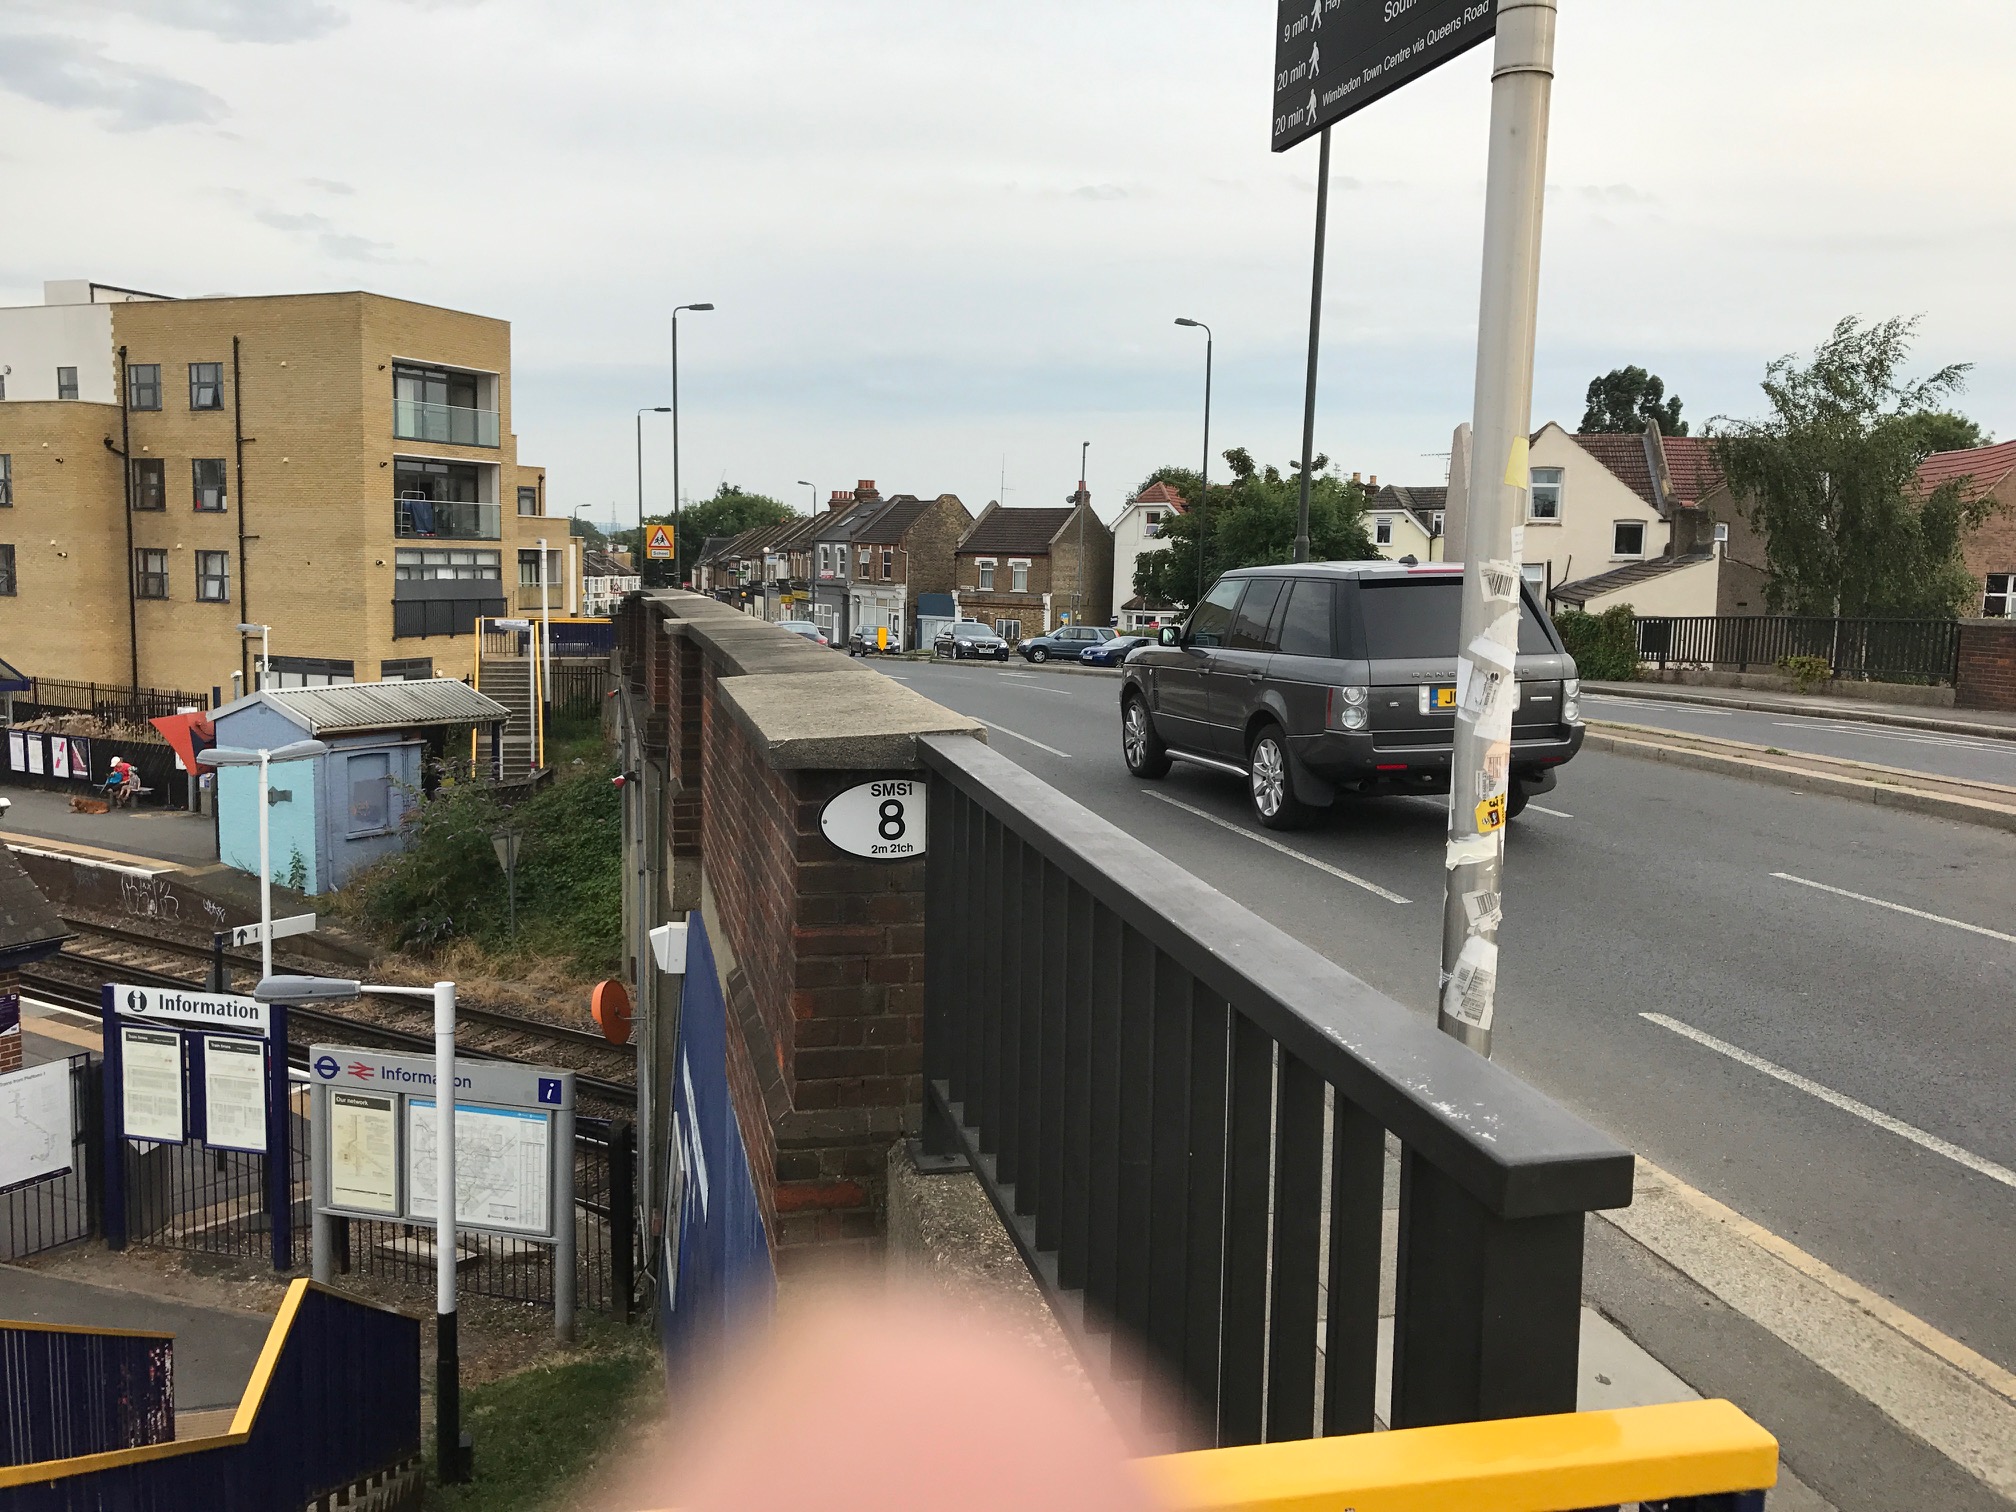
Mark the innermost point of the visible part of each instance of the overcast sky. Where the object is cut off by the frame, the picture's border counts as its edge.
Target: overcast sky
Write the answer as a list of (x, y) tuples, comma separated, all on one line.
[(948, 240)]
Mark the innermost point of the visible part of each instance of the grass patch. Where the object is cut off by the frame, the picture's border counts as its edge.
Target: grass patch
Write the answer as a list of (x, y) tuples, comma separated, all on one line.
[(539, 1431)]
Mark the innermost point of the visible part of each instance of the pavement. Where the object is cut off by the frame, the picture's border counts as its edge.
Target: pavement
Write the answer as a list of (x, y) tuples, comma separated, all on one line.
[(158, 834), (1791, 1006)]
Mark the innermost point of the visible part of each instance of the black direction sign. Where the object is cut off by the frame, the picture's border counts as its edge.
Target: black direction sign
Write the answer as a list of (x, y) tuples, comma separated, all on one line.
[(1332, 57)]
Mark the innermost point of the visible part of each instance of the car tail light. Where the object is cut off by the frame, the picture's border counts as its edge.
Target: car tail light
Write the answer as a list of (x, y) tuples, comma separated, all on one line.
[(1349, 707), (1571, 701)]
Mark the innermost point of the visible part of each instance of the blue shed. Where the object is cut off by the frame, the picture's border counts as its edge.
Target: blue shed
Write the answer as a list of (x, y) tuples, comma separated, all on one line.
[(337, 813)]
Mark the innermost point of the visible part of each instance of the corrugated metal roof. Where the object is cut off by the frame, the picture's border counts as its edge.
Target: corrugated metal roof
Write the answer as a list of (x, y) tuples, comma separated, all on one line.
[(382, 705)]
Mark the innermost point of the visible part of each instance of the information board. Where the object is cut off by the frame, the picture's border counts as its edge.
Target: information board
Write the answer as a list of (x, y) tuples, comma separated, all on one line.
[(364, 1152), (234, 1093), (502, 1157), (1333, 57), (35, 1125), (151, 1084)]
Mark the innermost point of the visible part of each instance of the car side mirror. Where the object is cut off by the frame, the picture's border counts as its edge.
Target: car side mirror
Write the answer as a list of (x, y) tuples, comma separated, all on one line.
[(1169, 635)]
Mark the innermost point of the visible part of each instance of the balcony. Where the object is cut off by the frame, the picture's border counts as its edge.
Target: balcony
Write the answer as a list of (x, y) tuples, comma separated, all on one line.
[(419, 420), (446, 520)]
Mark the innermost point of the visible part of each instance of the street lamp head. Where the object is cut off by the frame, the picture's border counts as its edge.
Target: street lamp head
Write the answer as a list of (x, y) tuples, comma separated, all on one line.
[(253, 629), (299, 750), (1184, 320), (306, 989), (696, 307), (223, 756)]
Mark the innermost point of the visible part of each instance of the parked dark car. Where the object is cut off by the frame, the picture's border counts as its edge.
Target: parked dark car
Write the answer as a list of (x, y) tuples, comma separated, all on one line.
[(863, 643), (1314, 680), (1113, 652), (964, 638), (1065, 644), (806, 628)]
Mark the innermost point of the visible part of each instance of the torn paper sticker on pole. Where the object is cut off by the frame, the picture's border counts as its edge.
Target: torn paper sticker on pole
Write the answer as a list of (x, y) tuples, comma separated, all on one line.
[(1469, 993), (1501, 581), (1483, 910), (1471, 850)]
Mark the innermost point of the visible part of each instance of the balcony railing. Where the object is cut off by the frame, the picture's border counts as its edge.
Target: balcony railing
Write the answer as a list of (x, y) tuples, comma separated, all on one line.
[(417, 420), (447, 520)]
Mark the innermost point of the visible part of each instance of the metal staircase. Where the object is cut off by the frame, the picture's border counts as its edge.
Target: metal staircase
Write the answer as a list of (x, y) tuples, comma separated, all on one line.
[(505, 670)]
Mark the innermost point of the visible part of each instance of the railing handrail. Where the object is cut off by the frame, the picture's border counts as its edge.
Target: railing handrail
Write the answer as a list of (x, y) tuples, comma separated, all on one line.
[(1509, 1146)]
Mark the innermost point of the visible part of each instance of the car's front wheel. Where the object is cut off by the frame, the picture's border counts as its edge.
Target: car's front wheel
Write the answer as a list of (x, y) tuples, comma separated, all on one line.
[(1146, 755), (1270, 784), (1038, 654)]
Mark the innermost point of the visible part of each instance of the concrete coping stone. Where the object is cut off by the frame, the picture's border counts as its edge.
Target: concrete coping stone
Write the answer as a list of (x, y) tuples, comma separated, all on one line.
[(819, 722)]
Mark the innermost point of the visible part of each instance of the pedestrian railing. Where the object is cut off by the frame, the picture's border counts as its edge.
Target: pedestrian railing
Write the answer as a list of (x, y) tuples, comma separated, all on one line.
[(1687, 1457), (1181, 1115), (1875, 650), (71, 1391)]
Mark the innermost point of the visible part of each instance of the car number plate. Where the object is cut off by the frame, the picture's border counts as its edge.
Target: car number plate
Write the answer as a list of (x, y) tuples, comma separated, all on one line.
[(1438, 698)]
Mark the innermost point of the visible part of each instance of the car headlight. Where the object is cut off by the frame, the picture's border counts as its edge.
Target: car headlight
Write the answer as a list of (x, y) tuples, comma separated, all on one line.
[(1571, 701), (1350, 707)]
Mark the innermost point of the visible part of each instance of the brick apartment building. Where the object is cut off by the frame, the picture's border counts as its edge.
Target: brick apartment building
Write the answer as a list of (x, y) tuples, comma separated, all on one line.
[(905, 548), (340, 467), (1023, 571)]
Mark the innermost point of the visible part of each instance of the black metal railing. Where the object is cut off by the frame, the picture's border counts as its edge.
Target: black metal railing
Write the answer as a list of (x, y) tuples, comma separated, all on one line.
[(110, 703), (1874, 650), (53, 1211), (1181, 1115), (198, 1198)]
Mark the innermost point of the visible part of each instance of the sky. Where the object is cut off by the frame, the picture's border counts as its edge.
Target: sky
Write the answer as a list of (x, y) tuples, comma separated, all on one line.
[(947, 242)]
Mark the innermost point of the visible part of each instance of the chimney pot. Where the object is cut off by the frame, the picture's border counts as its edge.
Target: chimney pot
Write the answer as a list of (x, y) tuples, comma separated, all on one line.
[(1356, 479), (1373, 482)]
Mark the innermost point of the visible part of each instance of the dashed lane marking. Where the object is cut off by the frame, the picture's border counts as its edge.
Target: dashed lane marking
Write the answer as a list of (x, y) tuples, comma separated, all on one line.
[(1287, 850), (1017, 735), (1916, 913)]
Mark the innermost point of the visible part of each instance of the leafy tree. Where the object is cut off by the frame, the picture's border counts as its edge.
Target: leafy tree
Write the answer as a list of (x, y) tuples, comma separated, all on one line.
[(1249, 522), (1942, 430), (729, 512), (1623, 399), (1829, 478), (581, 529)]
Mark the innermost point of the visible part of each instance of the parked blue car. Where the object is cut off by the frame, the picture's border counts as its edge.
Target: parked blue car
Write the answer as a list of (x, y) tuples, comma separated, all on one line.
[(1064, 644), (1113, 652)]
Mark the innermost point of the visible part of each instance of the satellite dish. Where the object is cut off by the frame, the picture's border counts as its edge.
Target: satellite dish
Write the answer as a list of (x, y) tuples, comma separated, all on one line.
[(609, 1006)]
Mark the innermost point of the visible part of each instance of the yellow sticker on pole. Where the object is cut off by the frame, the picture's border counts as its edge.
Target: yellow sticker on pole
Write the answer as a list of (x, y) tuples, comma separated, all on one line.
[(1517, 473), (1491, 815)]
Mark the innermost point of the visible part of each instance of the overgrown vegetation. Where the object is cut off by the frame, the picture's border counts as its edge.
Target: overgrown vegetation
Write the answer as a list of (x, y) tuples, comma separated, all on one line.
[(1807, 671), (1605, 646), (447, 886)]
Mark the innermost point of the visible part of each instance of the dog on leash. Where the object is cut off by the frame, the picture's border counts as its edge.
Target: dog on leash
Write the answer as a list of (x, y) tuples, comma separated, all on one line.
[(82, 805)]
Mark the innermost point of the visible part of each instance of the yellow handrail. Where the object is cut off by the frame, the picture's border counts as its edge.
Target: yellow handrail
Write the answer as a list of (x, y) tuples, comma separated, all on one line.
[(1539, 1464)]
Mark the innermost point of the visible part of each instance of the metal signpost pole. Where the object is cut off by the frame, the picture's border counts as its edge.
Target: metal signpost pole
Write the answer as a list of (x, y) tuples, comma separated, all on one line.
[(452, 1464), (321, 1225), (1315, 343), (565, 1281), (279, 1140), (265, 868), (1522, 79)]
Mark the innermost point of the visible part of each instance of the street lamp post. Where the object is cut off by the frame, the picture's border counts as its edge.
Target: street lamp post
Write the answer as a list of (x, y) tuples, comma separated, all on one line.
[(802, 483), (222, 756), (1204, 489), (649, 409), (678, 539), (265, 634), (1083, 499)]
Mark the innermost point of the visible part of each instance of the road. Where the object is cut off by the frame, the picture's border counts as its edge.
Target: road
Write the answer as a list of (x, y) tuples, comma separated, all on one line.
[(1798, 1005), (1975, 757)]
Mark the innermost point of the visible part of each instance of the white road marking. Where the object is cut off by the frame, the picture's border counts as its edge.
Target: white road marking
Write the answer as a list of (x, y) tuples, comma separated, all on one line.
[(1286, 850), (1916, 913), (1541, 808), (1656, 703), (1862, 731), (1066, 692), (1840, 1100), (1015, 735)]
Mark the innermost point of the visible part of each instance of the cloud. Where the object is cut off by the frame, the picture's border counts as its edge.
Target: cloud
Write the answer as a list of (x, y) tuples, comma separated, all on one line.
[(71, 75), (328, 186), (236, 20), (332, 239)]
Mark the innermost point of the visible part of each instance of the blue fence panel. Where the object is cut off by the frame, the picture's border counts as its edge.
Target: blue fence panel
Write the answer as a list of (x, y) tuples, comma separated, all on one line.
[(584, 638), (716, 1259), (65, 1392)]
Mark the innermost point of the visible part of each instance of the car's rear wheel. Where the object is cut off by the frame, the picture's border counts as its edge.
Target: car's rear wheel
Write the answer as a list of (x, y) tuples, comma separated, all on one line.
[(1146, 755), (1515, 799), (1038, 654), (1270, 783)]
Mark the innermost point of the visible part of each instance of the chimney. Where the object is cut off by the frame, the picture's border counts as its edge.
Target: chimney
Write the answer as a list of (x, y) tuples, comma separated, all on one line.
[(865, 489), (1373, 481), (1355, 478)]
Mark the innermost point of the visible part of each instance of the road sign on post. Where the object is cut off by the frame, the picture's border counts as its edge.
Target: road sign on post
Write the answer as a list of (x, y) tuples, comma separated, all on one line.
[(253, 934), (1333, 57), (658, 543)]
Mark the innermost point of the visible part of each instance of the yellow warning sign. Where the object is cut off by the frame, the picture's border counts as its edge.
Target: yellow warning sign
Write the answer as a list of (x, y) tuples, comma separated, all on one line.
[(1491, 815), (658, 543)]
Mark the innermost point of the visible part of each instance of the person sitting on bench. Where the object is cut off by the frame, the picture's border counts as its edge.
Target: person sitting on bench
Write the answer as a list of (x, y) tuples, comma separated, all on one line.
[(122, 783)]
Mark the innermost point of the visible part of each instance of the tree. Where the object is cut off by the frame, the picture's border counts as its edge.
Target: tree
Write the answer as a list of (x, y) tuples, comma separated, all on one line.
[(590, 534), (1829, 478), (1623, 399), (1942, 430), (1249, 522), (729, 512)]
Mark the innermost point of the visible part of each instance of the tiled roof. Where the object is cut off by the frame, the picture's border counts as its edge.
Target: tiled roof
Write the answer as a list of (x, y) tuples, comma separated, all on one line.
[(1690, 463), (1023, 531), (1422, 503), (886, 525), (26, 917), (1986, 466), (841, 521), (1623, 577), (1624, 455), (1161, 493), (597, 563)]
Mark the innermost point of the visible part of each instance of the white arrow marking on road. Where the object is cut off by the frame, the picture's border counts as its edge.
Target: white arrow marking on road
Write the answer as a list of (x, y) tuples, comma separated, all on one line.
[(1286, 850), (1916, 913), (1840, 1100)]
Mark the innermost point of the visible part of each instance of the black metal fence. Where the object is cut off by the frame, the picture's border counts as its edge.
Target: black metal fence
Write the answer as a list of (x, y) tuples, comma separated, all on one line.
[(1874, 650), (112, 703), (57, 1210), (209, 1201), (1181, 1115), (579, 687)]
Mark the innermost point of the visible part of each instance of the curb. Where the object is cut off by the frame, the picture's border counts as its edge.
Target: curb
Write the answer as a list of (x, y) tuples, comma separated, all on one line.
[(1665, 693), (1882, 794)]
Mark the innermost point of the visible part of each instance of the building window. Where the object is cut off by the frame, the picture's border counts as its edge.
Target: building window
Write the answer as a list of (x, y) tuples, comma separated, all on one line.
[(425, 566), (150, 483), (370, 777), (1382, 531), (440, 404), (1627, 539), (1018, 576), (986, 573), (888, 563), (208, 473), (311, 672), (6, 481), (1008, 629), (406, 669), (1999, 602), (6, 571), (1544, 502), (66, 383), (213, 577), (528, 569), (143, 386), (1436, 523), (206, 385), (528, 501), (1152, 525), (150, 573), (863, 568)]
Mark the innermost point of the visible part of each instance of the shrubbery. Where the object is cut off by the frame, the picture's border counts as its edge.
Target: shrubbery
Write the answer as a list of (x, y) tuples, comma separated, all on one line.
[(1605, 646)]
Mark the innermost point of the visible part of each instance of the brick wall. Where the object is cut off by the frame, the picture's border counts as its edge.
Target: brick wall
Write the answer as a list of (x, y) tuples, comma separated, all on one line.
[(1987, 675), (1991, 545), (930, 542), (1096, 585), (10, 1021)]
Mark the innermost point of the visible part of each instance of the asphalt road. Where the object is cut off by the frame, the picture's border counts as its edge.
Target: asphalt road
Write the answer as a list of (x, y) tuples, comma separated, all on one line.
[(1799, 1005), (1975, 757)]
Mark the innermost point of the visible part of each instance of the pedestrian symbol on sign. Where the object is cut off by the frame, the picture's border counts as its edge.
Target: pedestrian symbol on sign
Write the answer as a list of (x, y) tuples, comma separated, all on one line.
[(658, 543)]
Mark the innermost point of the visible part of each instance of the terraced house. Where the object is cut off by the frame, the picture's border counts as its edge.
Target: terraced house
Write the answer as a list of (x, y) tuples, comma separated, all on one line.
[(339, 467)]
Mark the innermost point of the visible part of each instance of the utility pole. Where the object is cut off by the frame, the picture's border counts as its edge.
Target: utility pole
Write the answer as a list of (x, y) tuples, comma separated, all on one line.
[(1204, 488), (1083, 499), (1315, 344), (1522, 79)]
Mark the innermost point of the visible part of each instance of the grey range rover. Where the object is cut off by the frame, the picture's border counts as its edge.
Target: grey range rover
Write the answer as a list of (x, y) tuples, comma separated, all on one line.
[(1319, 679)]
